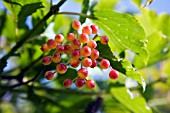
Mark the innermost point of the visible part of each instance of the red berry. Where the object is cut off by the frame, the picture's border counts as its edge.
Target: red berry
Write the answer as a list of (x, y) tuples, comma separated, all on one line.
[(82, 73), (51, 44), (90, 84), (61, 68), (94, 54), (75, 44), (76, 25), (84, 38), (44, 48), (67, 49), (86, 62), (56, 58), (87, 30), (79, 83), (59, 38), (70, 37), (46, 60), (113, 74), (104, 64), (67, 83), (49, 75), (74, 63), (94, 29), (85, 51), (94, 63), (75, 54), (104, 39), (60, 49), (92, 44)]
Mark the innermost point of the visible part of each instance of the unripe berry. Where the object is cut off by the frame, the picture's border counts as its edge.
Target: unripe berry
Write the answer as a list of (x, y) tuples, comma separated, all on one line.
[(49, 75), (46, 60), (75, 44), (76, 25), (104, 39), (87, 30), (92, 44), (74, 63), (61, 68), (104, 64), (113, 74), (59, 38), (75, 54), (94, 29), (94, 63), (94, 54), (51, 44), (86, 62), (60, 49), (82, 73), (90, 84), (70, 37), (85, 51), (56, 58), (79, 83), (67, 83), (83, 38), (67, 49), (44, 48)]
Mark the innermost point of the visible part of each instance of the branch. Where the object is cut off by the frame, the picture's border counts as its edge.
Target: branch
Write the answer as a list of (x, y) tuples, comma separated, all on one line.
[(80, 14), (24, 83)]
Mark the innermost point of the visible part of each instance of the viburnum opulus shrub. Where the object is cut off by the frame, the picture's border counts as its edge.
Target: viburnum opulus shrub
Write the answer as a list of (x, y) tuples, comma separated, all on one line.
[(82, 53)]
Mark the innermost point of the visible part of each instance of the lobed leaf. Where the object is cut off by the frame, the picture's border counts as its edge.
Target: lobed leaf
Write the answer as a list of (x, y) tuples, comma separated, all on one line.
[(124, 33)]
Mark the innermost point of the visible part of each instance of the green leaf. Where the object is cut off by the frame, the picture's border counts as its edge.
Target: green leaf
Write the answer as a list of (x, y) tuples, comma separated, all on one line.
[(122, 66), (106, 4), (85, 7), (27, 10), (137, 2), (136, 104), (124, 33)]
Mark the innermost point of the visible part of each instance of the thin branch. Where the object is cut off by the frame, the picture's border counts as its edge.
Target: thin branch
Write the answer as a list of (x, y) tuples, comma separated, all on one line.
[(79, 14)]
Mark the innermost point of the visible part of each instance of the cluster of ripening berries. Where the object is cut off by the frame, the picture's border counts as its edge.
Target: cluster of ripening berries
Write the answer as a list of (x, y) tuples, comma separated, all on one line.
[(82, 51)]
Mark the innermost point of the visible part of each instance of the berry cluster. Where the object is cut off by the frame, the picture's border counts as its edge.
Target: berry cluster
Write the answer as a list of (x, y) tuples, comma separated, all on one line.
[(82, 50)]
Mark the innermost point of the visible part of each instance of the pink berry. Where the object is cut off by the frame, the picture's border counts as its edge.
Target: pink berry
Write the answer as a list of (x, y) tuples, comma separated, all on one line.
[(51, 44), (67, 49), (44, 48), (113, 74), (83, 38), (46, 60), (75, 54), (56, 58), (87, 30), (60, 49), (79, 83), (74, 63), (61, 68), (92, 44), (75, 44), (59, 38), (94, 63), (104, 39), (90, 84), (49, 75), (85, 51), (70, 37), (76, 25), (82, 73), (94, 29), (94, 54), (86, 62), (104, 64), (67, 83)]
